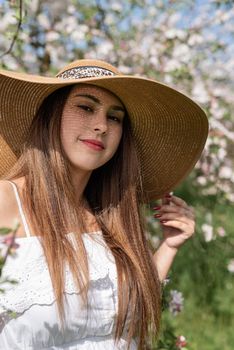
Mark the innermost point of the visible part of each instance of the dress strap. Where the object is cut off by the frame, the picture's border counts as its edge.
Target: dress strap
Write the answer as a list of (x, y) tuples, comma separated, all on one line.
[(26, 228)]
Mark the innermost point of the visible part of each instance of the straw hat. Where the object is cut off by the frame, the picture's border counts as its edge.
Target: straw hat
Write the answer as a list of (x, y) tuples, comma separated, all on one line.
[(169, 128)]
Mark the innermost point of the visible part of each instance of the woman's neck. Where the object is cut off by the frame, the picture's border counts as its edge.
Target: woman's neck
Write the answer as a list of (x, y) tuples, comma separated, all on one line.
[(80, 179)]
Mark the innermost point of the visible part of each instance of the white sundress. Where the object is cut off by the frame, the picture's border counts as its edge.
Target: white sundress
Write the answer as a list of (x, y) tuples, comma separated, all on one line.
[(35, 323)]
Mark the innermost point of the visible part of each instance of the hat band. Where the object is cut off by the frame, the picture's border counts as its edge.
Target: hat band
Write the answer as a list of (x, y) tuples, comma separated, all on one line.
[(85, 72)]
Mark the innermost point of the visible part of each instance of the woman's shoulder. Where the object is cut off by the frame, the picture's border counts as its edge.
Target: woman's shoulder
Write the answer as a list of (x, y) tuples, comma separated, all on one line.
[(5, 194), (8, 204), (6, 187)]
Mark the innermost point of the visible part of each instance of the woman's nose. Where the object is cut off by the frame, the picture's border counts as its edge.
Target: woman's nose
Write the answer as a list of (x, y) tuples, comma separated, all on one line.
[(100, 124)]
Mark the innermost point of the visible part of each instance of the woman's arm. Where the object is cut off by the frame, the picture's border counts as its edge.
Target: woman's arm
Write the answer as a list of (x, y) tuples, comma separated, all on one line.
[(163, 259), (178, 224)]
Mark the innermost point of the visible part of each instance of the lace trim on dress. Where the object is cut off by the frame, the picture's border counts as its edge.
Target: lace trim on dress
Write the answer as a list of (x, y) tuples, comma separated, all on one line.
[(34, 284)]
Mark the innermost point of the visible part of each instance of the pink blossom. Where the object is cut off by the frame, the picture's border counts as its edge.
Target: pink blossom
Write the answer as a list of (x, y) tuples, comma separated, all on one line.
[(10, 241), (221, 232), (181, 342)]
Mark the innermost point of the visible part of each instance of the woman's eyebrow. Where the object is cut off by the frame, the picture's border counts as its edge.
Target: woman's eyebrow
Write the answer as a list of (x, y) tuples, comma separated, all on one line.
[(95, 99), (119, 108), (91, 97)]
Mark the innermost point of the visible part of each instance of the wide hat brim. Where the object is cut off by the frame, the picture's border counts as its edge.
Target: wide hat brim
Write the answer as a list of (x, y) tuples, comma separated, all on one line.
[(170, 130)]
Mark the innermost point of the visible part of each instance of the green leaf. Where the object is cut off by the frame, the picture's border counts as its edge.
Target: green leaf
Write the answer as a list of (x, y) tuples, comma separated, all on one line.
[(5, 230)]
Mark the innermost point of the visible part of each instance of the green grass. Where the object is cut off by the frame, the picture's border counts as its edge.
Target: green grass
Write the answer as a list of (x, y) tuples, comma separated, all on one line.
[(202, 329), (200, 273)]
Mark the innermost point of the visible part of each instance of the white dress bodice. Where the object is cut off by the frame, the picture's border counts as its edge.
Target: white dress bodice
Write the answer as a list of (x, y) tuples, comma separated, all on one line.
[(28, 314)]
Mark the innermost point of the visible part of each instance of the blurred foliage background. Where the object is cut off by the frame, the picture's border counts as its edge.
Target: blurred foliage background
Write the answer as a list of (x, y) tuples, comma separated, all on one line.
[(185, 44)]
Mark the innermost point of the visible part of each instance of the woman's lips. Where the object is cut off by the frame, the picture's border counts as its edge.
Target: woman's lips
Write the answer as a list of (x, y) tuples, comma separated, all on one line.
[(94, 144)]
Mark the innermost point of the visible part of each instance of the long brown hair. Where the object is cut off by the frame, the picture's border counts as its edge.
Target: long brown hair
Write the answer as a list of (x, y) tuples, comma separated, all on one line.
[(51, 206)]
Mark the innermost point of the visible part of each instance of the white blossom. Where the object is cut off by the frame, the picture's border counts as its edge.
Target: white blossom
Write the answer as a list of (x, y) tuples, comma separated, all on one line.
[(195, 39), (175, 33), (43, 20), (171, 65), (71, 24), (71, 9), (152, 11), (52, 36), (173, 20), (217, 112), (208, 232), (181, 51), (110, 19), (171, 33), (225, 172), (6, 20), (202, 180), (168, 79), (117, 6), (221, 153), (230, 266), (124, 69), (155, 240), (104, 48), (220, 126), (77, 35), (200, 93), (30, 57), (33, 5), (154, 61), (11, 63), (230, 197)]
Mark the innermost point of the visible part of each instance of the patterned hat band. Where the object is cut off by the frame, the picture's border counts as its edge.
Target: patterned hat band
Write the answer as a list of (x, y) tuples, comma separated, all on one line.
[(85, 72)]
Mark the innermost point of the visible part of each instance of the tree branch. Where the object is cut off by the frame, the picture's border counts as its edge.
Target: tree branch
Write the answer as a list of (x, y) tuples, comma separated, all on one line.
[(17, 30), (102, 24)]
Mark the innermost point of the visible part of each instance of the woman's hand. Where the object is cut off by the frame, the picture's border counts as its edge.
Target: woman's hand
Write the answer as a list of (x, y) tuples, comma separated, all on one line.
[(177, 220)]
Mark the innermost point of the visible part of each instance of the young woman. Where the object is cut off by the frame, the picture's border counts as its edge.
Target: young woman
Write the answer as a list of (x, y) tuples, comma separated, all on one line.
[(80, 155)]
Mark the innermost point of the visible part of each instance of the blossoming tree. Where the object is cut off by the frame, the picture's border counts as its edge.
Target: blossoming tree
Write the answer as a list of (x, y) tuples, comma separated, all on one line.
[(188, 45)]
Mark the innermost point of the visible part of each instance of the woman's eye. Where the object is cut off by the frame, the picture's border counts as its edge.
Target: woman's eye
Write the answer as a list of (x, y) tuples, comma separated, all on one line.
[(85, 108), (114, 118)]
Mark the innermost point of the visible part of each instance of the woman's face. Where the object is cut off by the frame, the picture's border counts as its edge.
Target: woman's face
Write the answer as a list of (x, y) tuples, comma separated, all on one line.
[(91, 126)]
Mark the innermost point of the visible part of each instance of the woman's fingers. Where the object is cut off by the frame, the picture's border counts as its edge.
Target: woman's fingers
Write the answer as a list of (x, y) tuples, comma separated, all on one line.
[(166, 199), (174, 216), (174, 200), (178, 202), (174, 204), (188, 212), (187, 228)]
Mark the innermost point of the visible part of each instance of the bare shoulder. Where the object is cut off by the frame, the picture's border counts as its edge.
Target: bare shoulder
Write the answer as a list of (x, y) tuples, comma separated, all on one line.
[(8, 204), (5, 193)]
